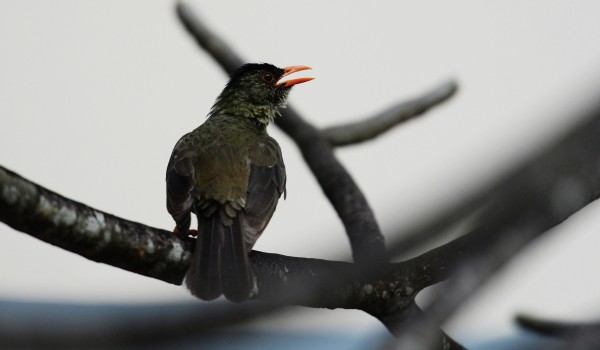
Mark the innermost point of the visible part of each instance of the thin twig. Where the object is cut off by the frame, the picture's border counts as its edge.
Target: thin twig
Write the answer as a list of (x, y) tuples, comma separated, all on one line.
[(556, 328), (575, 335), (372, 126)]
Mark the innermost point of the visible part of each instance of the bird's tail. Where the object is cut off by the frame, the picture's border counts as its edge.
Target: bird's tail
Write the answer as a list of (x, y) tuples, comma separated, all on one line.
[(220, 263), (236, 275)]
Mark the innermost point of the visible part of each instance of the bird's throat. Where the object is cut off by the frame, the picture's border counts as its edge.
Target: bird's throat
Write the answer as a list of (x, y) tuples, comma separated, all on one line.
[(260, 114)]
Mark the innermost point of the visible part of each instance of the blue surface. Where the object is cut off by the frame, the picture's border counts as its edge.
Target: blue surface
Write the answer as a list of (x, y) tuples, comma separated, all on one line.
[(281, 340), (23, 323), (31, 325)]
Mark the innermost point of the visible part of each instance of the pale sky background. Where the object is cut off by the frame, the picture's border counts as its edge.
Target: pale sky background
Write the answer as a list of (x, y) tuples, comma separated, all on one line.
[(94, 94)]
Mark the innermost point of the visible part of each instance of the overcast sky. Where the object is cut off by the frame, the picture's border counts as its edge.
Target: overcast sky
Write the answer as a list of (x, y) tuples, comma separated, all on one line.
[(94, 94)]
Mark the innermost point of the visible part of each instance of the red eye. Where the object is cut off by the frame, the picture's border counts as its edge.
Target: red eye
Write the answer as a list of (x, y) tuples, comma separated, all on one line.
[(268, 77)]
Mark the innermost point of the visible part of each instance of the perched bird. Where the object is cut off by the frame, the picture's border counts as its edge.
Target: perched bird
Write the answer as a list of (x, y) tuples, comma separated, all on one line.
[(230, 173)]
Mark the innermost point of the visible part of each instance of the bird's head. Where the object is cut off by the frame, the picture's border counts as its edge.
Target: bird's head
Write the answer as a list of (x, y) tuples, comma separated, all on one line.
[(257, 90)]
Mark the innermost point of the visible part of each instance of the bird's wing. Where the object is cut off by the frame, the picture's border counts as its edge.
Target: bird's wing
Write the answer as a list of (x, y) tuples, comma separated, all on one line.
[(180, 185), (265, 186)]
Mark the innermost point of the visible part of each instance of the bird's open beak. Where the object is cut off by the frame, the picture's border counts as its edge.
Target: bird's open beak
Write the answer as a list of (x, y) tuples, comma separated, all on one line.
[(289, 70)]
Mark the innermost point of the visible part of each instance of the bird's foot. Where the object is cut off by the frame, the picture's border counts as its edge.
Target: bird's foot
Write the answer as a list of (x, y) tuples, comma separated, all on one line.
[(177, 232)]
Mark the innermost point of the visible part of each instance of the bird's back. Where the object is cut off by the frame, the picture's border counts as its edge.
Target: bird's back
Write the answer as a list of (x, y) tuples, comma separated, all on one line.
[(225, 156)]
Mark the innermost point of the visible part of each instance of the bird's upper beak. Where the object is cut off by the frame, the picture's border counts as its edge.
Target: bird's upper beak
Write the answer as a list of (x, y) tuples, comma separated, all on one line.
[(289, 70)]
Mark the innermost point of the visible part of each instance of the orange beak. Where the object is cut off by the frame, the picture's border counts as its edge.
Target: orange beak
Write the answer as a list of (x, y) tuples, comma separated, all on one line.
[(289, 70)]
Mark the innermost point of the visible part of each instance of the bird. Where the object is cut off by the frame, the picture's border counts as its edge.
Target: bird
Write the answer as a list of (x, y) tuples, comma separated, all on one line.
[(230, 173)]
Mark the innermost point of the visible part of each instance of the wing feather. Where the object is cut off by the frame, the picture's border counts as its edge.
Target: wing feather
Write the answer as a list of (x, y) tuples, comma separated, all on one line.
[(180, 187), (265, 186)]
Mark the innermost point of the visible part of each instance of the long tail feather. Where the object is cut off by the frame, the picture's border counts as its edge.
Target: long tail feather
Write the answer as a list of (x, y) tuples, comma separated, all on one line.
[(236, 275), (204, 276)]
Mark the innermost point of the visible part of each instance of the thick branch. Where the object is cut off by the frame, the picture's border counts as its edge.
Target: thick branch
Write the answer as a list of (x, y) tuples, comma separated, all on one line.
[(349, 202), (102, 237), (388, 295), (91, 233), (157, 253), (373, 126)]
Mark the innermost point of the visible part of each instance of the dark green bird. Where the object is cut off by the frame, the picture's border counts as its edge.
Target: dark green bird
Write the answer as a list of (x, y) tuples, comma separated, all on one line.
[(230, 173)]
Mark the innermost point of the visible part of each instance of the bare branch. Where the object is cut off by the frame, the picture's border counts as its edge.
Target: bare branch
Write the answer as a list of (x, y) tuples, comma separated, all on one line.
[(556, 328), (98, 236), (365, 236), (362, 229), (525, 205), (105, 238), (373, 126), (156, 253), (216, 47), (387, 294)]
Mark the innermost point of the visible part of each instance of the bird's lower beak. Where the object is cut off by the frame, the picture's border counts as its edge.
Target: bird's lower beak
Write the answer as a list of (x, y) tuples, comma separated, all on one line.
[(292, 69)]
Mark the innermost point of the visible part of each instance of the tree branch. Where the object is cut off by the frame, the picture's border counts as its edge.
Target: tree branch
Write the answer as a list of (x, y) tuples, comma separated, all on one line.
[(373, 126), (577, 335), (98, 236), (524, 205), (436, 339), (211, 43), (157, 253), (365, 237), (388, 294), (556, 328)]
